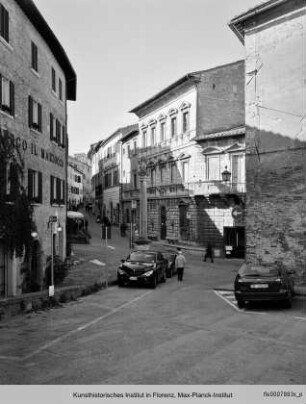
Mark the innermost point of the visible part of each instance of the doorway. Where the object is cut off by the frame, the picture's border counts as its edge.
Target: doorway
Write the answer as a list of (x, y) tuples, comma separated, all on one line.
[(163, 223), (234, 241)]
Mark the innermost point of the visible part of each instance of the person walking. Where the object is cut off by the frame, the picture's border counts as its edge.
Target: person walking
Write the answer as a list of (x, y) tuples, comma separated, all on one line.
[(180, 263), (209, 253)]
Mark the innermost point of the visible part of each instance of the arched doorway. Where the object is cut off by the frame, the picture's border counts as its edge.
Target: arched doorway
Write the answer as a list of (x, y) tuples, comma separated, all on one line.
[(163, 223)]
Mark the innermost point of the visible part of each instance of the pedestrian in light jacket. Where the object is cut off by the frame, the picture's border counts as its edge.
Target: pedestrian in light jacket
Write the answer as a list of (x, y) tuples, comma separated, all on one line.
[(180, 263)]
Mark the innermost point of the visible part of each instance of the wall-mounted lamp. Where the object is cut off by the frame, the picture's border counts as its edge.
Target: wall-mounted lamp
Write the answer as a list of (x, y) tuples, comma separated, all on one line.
[(226, 175), (34, 235)]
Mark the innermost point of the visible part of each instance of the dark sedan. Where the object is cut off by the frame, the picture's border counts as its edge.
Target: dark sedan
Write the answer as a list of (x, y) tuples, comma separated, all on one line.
[(260, 283), (144, 267)]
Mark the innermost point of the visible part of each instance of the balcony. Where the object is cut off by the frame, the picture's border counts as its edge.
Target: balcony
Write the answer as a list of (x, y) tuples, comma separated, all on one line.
[(215, 187)]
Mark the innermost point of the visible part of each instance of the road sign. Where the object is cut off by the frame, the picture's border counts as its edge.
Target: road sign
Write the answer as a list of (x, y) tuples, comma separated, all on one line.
[(237, 212), (53, 219)]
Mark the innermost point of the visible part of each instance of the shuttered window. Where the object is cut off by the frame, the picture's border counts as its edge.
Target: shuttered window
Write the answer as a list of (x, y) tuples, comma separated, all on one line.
[(35, 115), (57, 191), (7, 95), (4, 23), (35, 186), (34, 57)]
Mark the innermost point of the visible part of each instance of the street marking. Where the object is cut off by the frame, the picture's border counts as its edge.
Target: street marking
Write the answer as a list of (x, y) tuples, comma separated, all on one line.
[(301, 318), (219, 293), (111, 247), (230, 299), (97, 262), (89, 324), (11, 358)]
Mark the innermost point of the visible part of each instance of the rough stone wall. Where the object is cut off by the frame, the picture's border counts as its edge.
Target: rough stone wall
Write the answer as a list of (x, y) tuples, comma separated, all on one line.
[(276, 141)]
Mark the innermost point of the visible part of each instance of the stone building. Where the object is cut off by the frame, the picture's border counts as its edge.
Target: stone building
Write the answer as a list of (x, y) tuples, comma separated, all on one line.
[(37, 80), (109, 170), (75, 181), (83, 164), (275, 80), (189, 134)]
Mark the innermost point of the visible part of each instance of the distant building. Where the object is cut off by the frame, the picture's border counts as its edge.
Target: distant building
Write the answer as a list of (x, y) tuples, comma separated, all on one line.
[(75, 187), (275, 80), (189, 134), (36, 81), (83, 164), (109, 170)]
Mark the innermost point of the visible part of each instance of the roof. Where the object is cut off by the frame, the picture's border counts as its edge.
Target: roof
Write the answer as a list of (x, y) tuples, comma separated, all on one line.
[(189, 77), (38, 21), (264, 10), (125, 130)]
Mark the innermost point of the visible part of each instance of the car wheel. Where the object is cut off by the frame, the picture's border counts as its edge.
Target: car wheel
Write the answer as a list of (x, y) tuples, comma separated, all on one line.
[(241, 304), (288, 301), (154, 282)]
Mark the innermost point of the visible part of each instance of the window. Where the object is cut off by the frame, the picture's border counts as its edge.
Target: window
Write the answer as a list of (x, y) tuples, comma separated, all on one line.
[(116, 178), (162, 169), (63, 137), (35, 115), (172, 173), (53, 79), (173, 126), (7, 95), (135, 145), (185, 165), (9, 181), (60, 89), (144, 140), (213, 168), (4, 23), (57, 191), (185, 121), (162, 131), (135, 181), (35, 186), (153, 135), (153, 175), (34, 57)]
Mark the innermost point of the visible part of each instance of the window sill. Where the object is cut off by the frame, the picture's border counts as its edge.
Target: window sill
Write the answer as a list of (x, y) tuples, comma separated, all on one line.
[(35, 72), (36, 131), (5, 43), (5, 113)]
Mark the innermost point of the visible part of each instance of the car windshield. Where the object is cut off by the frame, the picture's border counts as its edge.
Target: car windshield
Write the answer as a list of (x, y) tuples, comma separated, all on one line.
[(262, 272), (141, 257)]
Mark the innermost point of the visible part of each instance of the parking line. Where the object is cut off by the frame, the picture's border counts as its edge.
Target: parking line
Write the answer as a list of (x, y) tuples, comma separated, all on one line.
[(89, 324), (300, 318), (227, 301)]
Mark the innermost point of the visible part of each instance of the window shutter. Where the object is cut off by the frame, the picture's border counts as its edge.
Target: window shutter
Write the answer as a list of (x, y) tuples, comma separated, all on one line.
[(12, 98), (6, 25), (30, 184), (58, 190), (63, 136), (39, 187), (30, 111), (0, 89), (51, 190), (39, 117), (51, 127)]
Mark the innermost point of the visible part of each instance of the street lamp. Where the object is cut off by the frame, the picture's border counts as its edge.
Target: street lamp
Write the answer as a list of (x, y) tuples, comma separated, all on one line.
[(226, 175)]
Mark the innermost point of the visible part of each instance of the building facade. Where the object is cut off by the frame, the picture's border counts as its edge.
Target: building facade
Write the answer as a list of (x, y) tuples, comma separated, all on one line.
[(189, 134), (75, 180), (83, 164), (110, 169), (36, 80), (275, 80)]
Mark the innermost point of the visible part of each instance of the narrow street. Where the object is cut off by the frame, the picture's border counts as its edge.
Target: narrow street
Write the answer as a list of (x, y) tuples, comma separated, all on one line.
[(176, 334)]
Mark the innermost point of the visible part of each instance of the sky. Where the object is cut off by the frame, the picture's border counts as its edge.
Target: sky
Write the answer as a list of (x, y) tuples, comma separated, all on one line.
[(125, 51)]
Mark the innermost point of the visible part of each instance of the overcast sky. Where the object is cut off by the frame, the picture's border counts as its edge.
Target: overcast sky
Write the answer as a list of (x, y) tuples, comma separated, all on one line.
[(125, 51)]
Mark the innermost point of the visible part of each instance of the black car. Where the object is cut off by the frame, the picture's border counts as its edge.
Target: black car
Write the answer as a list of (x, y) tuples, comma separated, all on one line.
[(263, 283), (144, 267), (170, 256)]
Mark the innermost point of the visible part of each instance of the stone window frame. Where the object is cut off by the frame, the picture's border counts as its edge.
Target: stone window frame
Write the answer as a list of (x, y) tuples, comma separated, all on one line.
[(4, 24), (35, 111), (152, 124), (173, 114), (162, 119), (7, 96), (35, 186), (144, 133), (34, 57), (185, 108)]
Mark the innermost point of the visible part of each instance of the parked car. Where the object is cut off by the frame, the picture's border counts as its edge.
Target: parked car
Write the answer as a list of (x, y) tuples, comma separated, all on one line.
[(170, 256), (144, 267), (263, 283)]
